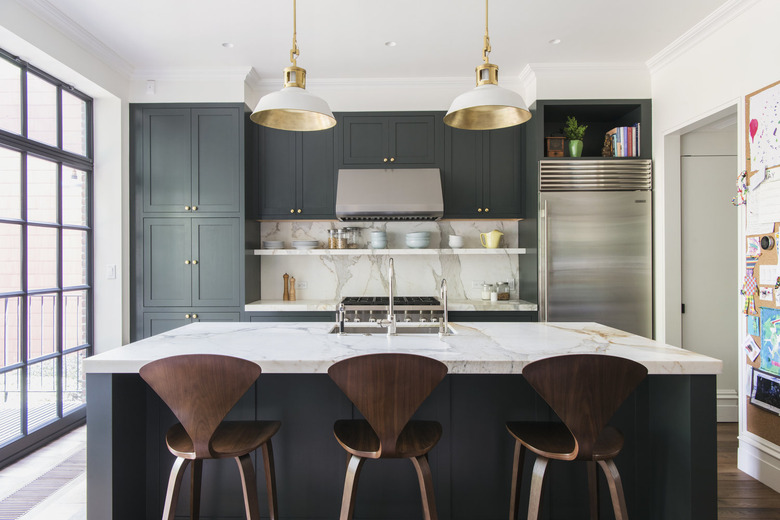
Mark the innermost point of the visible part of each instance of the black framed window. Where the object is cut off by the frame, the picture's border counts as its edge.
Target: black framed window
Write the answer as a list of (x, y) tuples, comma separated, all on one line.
[(46, 255)]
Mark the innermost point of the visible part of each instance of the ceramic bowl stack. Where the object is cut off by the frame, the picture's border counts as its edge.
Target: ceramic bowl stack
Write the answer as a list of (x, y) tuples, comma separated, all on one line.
[(379, 239), (273, 244), (305, 244), (418, 239)]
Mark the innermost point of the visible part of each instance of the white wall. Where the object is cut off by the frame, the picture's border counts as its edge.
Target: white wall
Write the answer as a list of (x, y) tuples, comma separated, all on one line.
[(695, 82)]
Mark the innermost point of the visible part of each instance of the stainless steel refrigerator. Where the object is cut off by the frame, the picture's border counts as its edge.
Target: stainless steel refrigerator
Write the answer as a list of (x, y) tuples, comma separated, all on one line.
[(595, 243)]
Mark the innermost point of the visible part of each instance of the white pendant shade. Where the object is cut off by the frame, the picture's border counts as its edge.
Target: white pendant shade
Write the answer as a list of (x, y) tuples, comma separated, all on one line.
[(293, 108), (487, 107)]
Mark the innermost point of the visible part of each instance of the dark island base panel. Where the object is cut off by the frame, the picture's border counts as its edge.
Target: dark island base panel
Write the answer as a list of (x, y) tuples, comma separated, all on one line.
[(668, 464)]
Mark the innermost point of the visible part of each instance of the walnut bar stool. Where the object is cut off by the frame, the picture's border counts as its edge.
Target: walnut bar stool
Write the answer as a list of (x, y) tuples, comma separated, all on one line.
[(201, 389), (585, 391), (387, 389)]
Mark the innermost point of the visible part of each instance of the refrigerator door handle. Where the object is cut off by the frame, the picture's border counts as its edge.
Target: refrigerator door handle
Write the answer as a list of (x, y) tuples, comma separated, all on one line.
[(543, 263)]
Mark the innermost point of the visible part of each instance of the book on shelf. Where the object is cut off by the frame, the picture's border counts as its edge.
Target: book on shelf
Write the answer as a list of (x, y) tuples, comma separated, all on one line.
[(626, 141)]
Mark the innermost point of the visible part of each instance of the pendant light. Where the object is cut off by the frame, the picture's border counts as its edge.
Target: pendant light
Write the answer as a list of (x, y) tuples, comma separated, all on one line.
[(292, 108), (487, 106)]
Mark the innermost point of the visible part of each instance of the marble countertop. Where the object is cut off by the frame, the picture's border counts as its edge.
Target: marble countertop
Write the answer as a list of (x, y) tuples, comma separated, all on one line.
[(331, 305), (474, 348)]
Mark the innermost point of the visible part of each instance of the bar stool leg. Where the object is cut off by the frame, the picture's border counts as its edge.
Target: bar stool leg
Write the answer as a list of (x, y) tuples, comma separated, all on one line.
[(249, 483), (174, 486), (517, 480), (593, 489), (196, 472), (354, 466), (615, 488), (537, 481), (426, 486), (270, 479)]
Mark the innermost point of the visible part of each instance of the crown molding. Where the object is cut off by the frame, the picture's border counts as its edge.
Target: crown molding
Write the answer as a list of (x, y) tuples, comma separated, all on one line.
[(582, 66), (714, 21), (237, 74), (45, 11)]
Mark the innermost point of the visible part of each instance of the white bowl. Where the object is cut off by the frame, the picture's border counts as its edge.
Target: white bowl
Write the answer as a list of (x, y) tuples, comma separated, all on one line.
[(297, 243)]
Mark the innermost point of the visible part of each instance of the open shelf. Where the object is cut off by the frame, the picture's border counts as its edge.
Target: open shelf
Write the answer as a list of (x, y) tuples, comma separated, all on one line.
[(386, 252)]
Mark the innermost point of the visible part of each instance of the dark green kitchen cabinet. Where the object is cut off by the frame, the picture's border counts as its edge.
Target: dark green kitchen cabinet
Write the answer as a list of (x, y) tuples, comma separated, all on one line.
[(384, 140), (191, 159), (191, 262), (159, 322), (297, 174), (483, 173)]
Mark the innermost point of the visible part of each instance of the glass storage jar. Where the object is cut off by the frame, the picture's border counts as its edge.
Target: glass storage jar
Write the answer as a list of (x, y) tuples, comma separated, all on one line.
[(352, 235), (503, 290), (487, 288), (337, 239)]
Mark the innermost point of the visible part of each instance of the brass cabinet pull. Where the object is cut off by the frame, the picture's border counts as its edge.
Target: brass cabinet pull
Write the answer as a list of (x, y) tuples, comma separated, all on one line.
[(292, 211), (479, 210), (186, 208), (194, 262), (187, 262), (194, 208), (392, 159), (385, 160), (195, 316), (487, 209), (187, 316), (299, 211)]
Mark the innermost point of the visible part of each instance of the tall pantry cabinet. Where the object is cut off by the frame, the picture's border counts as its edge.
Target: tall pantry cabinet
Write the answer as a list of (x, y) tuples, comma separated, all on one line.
[(187, 170)]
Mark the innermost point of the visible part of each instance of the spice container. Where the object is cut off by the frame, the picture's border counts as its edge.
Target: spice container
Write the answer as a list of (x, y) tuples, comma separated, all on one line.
[(487, 288), (337, 239), (352, 235), (503, 290)]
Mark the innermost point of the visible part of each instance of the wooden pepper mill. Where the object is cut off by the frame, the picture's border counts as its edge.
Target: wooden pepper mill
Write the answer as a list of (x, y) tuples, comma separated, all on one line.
[(286, 296), (292, 288)]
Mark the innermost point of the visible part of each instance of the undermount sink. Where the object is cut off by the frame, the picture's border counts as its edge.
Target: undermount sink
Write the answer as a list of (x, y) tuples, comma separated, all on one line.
[(368, 330)]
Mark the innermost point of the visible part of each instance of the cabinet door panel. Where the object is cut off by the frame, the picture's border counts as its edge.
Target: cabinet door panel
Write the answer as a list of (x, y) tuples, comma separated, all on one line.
[(216, 159), (167, 245), (412, 140), (501, 180), (365, 140), (317, 176), (218, 316), (463, 173), (277, 172), (159, 322), (215, 277), (166, 160)]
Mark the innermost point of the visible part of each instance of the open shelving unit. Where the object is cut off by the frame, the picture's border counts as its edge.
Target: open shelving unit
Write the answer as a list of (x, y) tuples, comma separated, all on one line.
[(387, 252)]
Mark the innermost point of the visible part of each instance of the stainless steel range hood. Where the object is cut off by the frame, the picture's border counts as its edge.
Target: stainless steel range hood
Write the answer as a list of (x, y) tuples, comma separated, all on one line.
[(408, 194)]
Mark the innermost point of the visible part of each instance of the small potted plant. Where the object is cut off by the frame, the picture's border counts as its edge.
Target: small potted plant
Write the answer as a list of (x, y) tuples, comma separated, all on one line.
[(574, 132)]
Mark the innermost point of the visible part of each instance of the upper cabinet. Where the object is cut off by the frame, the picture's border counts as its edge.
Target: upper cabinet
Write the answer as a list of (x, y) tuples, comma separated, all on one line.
[(601, 116), (191, 159), (483, 173), (296, 175), (389, 140)]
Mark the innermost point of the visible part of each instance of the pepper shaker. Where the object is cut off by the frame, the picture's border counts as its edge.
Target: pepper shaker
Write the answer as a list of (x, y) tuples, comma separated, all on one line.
[(292, 288), (286, 295)]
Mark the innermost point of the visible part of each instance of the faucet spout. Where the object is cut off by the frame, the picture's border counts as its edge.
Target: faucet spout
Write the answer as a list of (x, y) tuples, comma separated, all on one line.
[(391, 305), (444, 330)]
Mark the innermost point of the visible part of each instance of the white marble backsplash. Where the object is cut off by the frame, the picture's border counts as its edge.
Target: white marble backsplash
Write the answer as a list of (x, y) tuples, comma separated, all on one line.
[(331, 277)]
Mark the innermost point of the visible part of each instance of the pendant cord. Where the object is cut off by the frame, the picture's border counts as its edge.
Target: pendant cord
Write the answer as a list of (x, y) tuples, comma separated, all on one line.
[(295, 52), (486, 44)]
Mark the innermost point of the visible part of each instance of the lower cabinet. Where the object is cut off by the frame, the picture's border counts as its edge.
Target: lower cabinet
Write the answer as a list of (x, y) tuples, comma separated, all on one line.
[(159, 322)]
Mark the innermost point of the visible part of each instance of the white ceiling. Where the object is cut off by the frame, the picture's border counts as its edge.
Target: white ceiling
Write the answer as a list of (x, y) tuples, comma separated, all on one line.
[(345, 38)]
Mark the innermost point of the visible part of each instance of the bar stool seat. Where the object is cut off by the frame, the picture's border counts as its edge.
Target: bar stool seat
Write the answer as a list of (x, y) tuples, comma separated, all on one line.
[(231, 439), (358, 438), (554, 440)]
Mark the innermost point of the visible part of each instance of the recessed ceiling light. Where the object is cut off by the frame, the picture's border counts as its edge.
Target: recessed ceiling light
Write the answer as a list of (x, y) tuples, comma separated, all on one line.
[(554, 41), (228, 45), (390, 44)]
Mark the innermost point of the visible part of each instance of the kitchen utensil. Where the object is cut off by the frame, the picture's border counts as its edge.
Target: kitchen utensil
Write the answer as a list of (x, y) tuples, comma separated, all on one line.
[(456, 241), (492, 239)]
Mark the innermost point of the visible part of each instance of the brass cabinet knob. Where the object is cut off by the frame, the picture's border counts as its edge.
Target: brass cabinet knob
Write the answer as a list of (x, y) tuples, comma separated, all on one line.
[(385, 159), (392, 159), (487, 209), (194, 316), (187, 316), (194, 262), (187, 262), (479, 210), (186, 208), (194, 208), (299, 211), (292, 211)]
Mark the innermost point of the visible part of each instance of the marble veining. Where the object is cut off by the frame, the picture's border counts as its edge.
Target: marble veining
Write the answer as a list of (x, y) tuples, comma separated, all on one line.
[(474, 348), (329, 277)]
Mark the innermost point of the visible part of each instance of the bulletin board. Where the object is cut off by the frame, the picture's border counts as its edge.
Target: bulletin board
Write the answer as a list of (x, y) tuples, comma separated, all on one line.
[(761, 286)]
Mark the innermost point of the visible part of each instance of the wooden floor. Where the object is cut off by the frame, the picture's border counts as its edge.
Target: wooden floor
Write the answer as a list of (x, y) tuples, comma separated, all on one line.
[(740, 496)]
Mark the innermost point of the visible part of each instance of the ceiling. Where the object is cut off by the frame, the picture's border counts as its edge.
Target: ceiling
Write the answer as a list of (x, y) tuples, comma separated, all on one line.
[(341, 39)]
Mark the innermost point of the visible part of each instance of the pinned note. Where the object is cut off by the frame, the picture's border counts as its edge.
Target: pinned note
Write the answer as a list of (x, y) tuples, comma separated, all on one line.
[(751, 348)]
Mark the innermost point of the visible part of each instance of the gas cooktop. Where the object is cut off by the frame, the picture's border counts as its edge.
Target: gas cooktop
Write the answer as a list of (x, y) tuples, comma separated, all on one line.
[(384, 300)]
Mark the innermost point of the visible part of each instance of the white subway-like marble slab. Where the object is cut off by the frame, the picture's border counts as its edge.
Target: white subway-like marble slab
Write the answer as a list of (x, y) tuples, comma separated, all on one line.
[(475, 348)]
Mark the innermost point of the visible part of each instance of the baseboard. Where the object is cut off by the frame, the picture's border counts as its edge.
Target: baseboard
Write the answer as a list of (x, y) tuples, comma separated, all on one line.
[(759, 459), (727, 405)]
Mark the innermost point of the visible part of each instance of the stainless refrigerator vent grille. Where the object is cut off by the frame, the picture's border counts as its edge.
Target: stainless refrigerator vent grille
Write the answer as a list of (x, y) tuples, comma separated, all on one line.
[(596, 175)]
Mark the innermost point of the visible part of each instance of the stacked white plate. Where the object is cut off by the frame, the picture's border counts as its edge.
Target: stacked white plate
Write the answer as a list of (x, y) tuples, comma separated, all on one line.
[(305, 244), (273, 244)]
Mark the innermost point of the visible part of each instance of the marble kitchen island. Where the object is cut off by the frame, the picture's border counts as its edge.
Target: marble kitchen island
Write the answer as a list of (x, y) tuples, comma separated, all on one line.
[(668, 464)]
